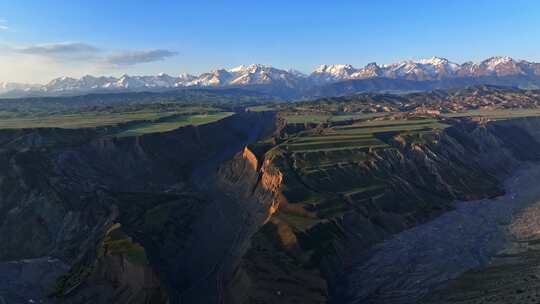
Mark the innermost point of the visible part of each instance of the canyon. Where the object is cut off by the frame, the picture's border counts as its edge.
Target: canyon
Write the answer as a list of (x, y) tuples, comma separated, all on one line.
[(226, 213)]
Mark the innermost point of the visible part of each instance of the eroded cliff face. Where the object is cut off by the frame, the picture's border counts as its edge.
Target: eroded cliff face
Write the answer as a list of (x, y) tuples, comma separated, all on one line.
[(59, 198), (308, 247), (121, 273), (267, 270), (255, 185)]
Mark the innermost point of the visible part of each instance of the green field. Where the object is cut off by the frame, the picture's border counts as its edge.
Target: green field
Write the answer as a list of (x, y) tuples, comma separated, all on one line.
[(96, 117), (128, 120), (177, 122), (317, 118), (262, 108), (361, 135), (497, 114), (75, 121), (293, 118)]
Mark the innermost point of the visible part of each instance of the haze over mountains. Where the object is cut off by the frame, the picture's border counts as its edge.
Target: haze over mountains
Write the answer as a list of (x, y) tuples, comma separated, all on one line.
[(404, 75)]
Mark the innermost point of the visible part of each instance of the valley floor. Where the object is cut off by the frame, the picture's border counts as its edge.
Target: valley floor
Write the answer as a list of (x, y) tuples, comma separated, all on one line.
[(409, 266)]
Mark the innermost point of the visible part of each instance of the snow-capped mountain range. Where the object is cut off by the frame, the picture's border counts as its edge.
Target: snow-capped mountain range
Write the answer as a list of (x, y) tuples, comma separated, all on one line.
[(431, 69)]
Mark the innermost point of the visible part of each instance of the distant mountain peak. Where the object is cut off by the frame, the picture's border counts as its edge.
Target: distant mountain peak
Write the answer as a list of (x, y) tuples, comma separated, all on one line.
[(434, 61), (333, 68), (499, 59), (434, 68), (250, 68)]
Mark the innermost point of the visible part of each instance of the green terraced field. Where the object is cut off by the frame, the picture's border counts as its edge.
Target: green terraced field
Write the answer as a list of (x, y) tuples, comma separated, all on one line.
[(317, 118), (331, 156), (343, 117), (306, 118), (497, 114), (262, 108), (337, 145), (326, 168), (360, 135)]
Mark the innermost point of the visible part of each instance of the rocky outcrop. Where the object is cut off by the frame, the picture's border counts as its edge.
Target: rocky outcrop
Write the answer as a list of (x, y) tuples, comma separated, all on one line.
[(259, 277), (121, 273)]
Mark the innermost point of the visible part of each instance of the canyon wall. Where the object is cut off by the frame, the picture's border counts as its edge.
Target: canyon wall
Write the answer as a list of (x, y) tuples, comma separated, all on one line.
[(61, 191)]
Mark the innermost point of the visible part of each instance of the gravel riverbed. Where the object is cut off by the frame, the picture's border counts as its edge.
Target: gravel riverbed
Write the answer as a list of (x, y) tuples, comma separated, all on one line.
[(408, 266)]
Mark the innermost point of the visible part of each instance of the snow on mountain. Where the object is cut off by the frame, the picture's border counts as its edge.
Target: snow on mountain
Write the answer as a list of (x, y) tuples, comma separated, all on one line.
[(500, 66), (215, 78), (183, 79), (263, 74), (62, 84), (92, 82), (407, 70), (440, 67), (334, 72), (371, 70), (494, 62), (434, 68), (254, 74), (425, 69)]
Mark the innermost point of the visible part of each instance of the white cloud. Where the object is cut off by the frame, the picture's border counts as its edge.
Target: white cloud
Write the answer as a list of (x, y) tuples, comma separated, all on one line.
[(59, 49), (135, 57), (60, 52), (3, 25), (42, 62), (69, 51)]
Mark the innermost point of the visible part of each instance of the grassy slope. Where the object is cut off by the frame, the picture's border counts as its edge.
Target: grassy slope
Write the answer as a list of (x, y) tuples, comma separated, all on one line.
[(81, 120), (156, 127)]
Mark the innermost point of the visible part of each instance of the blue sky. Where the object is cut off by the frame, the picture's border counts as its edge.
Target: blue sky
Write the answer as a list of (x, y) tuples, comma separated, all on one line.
[(42, 39)]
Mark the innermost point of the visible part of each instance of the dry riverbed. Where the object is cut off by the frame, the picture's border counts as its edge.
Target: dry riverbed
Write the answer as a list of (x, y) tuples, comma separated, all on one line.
[(414, 263)]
